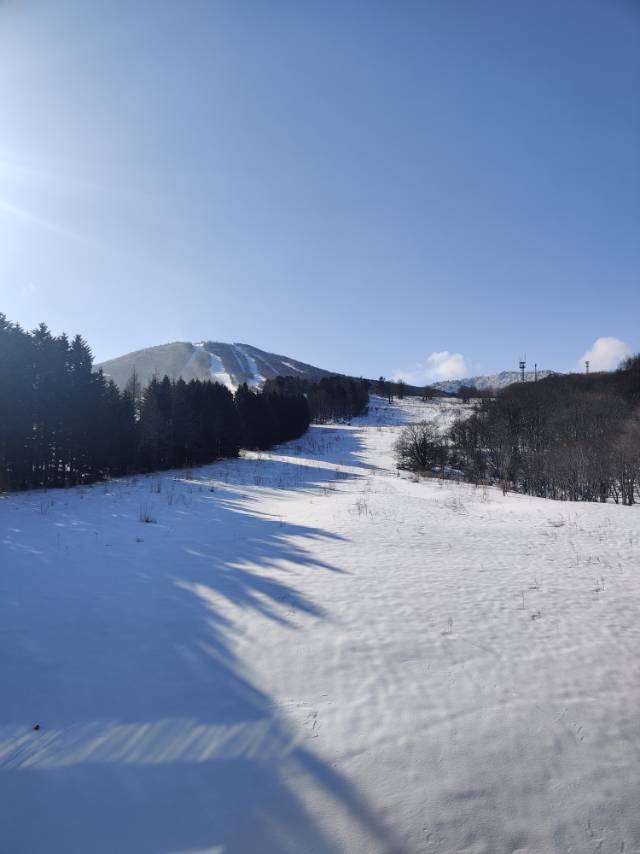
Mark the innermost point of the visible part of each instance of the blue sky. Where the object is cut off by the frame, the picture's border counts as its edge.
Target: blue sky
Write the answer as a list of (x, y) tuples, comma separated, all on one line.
[(427, 187)]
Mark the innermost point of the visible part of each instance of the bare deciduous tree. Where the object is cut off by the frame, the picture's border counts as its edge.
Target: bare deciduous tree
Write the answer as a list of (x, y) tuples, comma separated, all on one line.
[(572, 437), (420, 448)]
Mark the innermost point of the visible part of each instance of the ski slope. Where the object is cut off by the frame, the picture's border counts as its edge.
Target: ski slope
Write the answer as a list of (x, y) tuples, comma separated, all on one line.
[(302, 651)]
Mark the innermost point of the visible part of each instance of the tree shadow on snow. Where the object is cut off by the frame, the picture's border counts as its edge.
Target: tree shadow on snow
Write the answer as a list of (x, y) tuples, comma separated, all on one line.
[(335, 444), (325, 454), (154, 737)]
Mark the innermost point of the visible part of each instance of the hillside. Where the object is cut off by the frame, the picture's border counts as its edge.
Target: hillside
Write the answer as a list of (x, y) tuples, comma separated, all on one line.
[(229, 364), (490, 381), (304, 651)]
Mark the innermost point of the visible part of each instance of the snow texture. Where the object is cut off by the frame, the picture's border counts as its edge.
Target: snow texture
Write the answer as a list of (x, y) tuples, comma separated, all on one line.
[(303, 651)]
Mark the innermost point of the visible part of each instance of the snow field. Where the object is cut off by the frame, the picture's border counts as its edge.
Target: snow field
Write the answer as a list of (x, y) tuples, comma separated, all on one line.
[(303, 651)]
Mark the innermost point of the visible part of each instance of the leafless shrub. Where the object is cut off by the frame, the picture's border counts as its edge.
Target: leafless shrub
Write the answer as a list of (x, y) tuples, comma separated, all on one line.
[(362, 506), (145, 514)]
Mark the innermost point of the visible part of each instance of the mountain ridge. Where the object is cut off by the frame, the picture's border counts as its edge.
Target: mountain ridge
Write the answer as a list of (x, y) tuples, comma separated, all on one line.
[(491, 381), (229, 364), (235, 363)]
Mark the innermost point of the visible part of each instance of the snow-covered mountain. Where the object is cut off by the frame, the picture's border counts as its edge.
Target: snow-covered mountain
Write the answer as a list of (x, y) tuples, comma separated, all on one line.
[(229, 364), (234, 364), (497, 381)]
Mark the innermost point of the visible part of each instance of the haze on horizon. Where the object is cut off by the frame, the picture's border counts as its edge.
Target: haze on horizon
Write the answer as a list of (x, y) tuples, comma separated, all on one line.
[(410, 189)]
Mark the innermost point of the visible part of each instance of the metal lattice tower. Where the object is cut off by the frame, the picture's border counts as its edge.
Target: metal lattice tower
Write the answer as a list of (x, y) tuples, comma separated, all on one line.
[(523, 365)]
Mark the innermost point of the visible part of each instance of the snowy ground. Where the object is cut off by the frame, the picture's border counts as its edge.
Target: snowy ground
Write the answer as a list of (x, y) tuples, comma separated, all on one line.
[(304, 652)]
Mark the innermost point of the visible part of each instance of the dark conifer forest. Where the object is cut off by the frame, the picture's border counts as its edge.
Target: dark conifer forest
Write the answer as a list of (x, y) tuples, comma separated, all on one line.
[(62, 423), (336, 398)]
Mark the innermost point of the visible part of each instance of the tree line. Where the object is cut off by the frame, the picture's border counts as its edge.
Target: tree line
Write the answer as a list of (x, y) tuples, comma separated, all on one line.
[(333, 398), (62, 423), (571, 437)]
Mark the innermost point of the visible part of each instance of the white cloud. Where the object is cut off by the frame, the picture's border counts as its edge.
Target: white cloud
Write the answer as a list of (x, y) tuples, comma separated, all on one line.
[(605, 354), (441, 365)]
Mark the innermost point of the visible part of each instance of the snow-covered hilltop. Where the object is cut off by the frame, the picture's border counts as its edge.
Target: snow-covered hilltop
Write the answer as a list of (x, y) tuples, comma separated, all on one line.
[(495, 381), (229, 364)]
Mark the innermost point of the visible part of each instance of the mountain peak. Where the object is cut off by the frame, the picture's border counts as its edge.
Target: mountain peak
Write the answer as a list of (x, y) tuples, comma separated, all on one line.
[(229, 364)]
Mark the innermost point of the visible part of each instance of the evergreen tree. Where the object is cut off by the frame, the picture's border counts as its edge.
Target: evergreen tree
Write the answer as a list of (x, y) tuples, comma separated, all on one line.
[(61, 423)]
